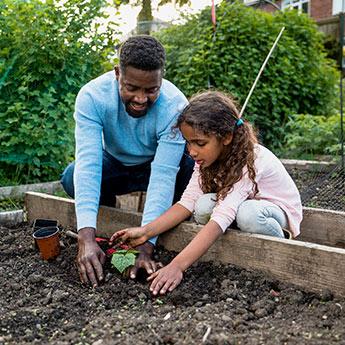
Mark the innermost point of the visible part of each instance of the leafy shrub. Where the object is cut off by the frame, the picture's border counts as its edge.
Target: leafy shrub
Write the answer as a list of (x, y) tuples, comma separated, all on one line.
[(48, 50), (298, 78), (310, 135)]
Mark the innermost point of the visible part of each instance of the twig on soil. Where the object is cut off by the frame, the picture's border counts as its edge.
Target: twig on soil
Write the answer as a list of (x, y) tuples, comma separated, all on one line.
[(71, 234), (167, 317), (207, 333)]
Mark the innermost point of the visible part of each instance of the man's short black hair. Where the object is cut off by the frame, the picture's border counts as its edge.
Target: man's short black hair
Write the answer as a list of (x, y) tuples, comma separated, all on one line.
[(142, 52)]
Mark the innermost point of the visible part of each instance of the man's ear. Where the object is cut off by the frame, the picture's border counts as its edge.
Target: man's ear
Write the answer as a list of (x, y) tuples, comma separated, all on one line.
[(228, 139), (117, 72)]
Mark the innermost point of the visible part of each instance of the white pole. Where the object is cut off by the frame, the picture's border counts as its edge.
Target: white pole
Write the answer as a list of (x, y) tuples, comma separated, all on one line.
[(261, 70)]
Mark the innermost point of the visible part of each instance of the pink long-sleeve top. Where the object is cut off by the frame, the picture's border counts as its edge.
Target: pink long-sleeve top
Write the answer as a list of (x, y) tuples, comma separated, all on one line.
[(274, 184)]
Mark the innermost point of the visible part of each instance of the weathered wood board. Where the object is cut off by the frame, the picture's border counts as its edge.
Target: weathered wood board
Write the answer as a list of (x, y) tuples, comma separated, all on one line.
[(309, 265), (323, 226)]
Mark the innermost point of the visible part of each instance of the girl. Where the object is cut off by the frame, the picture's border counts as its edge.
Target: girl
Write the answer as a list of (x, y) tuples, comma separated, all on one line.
[(234, 178)]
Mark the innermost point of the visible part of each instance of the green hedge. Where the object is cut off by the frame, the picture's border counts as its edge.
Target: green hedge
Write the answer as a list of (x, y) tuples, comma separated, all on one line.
[(47, 52), (298, 78), (311, 135)]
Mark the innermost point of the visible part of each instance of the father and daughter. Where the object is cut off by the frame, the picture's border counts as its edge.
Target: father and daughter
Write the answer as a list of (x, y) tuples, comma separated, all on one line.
[(125, 143), (235, 181)]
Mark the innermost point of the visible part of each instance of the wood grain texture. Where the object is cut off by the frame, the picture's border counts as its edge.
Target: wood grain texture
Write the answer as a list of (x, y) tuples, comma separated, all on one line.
[(308, 265)]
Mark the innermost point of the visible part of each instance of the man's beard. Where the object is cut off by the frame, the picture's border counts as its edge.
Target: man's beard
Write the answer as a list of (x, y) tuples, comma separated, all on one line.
[(135, 113)]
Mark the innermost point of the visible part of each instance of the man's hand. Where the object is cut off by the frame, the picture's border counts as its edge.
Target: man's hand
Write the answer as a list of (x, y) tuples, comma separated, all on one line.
[(90, 257), (131, 236), (144, 260), (166, 279)]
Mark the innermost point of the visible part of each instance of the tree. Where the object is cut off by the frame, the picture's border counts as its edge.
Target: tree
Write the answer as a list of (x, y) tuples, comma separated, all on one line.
[(298, 78), (145, 16)]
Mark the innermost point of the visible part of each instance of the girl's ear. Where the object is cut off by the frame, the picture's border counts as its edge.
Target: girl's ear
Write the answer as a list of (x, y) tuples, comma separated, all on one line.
[(227, 140)]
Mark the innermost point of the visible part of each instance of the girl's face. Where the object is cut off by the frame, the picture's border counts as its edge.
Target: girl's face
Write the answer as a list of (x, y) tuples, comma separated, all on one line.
[(204, 149)]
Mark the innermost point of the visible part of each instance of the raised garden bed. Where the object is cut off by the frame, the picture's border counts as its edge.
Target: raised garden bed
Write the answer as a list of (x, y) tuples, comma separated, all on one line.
[(44, 303), (217, 303)]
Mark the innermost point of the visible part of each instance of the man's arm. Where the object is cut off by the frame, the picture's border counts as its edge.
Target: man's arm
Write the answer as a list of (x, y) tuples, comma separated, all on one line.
[(88, 165), (87, 182), (164, 168)]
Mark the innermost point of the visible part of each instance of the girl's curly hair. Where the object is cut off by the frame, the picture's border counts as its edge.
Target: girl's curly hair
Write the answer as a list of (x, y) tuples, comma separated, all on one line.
[(216, 113)]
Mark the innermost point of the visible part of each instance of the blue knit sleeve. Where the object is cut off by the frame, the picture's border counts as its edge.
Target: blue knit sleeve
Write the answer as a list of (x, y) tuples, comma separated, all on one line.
[(88, 167), (164, 168)]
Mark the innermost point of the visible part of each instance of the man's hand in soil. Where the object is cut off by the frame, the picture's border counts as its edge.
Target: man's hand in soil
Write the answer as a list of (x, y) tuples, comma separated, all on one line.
[(131, 236), (90, 257), (144, 260), (166, 279)]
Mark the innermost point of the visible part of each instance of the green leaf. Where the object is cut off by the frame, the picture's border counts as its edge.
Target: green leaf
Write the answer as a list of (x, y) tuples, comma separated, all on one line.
[(122, 261)]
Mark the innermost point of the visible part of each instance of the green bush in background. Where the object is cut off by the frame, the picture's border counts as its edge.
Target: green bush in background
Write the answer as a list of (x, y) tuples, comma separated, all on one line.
[(298, 78), (47, 52), (311, 135)]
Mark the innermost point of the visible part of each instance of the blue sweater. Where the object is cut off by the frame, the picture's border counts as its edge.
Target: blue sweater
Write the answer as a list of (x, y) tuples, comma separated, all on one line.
[(103, 123)]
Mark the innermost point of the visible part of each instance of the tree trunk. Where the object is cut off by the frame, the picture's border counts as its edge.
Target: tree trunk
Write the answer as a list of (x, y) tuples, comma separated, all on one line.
[(144, 18)]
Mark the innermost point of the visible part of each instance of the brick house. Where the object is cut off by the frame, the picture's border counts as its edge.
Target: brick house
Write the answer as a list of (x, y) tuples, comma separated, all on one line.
[(325, 12)]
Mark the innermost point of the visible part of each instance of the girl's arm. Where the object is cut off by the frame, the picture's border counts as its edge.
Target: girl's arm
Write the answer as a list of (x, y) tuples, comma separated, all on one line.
[(175, 215), (139, 235), (168, 277)]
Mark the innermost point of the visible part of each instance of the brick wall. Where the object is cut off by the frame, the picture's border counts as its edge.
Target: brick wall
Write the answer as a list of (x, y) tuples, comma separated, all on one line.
[(320, 9)]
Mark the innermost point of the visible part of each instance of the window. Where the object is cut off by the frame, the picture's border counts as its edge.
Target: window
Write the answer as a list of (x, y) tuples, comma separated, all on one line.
[(300, 5), (338, 6)]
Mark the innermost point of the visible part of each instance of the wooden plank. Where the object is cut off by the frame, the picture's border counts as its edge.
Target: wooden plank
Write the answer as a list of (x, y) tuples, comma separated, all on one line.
[(308, 265), (318, 226), (306, 165), (39, 205), (311, 266), (17, 192), (323, 227), (11, 218)]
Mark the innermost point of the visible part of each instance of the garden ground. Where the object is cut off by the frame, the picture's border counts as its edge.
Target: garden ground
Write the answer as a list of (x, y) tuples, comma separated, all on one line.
[(44, 302)]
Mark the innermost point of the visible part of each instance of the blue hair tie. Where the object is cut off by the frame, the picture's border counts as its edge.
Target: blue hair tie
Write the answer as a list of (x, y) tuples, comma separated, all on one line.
[(239, 122)]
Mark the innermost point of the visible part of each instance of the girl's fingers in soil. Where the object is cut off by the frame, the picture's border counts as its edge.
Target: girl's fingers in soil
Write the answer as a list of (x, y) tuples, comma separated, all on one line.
[(157, 283), (174, 285), (152, 276), (156, 287), (167, 286)]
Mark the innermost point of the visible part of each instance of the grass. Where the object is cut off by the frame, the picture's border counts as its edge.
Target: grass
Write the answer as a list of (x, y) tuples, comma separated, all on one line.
[(11, 204)]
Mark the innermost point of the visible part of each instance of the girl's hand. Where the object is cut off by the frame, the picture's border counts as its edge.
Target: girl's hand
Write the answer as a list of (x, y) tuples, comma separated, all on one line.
[(165, 279), (132, 236)]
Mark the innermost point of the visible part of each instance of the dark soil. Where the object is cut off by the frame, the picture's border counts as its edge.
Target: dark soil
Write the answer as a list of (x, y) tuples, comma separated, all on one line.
[(321, 188), (44, 303)]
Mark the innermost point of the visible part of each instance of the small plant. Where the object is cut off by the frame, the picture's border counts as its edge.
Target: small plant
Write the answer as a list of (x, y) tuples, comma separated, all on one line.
[(122, 258)]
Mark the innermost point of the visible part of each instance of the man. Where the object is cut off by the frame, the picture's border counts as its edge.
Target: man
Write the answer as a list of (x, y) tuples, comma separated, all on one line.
[(125, 143)]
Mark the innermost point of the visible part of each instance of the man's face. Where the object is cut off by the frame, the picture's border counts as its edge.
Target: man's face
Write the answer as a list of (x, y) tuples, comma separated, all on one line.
[(138, 89)]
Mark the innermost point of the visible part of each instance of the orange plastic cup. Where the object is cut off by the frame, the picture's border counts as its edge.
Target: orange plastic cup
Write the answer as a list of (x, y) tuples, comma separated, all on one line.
[(48, 242)]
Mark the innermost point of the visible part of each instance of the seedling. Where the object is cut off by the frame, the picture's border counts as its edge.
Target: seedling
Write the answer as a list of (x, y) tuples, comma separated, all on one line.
[(123, 258)]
